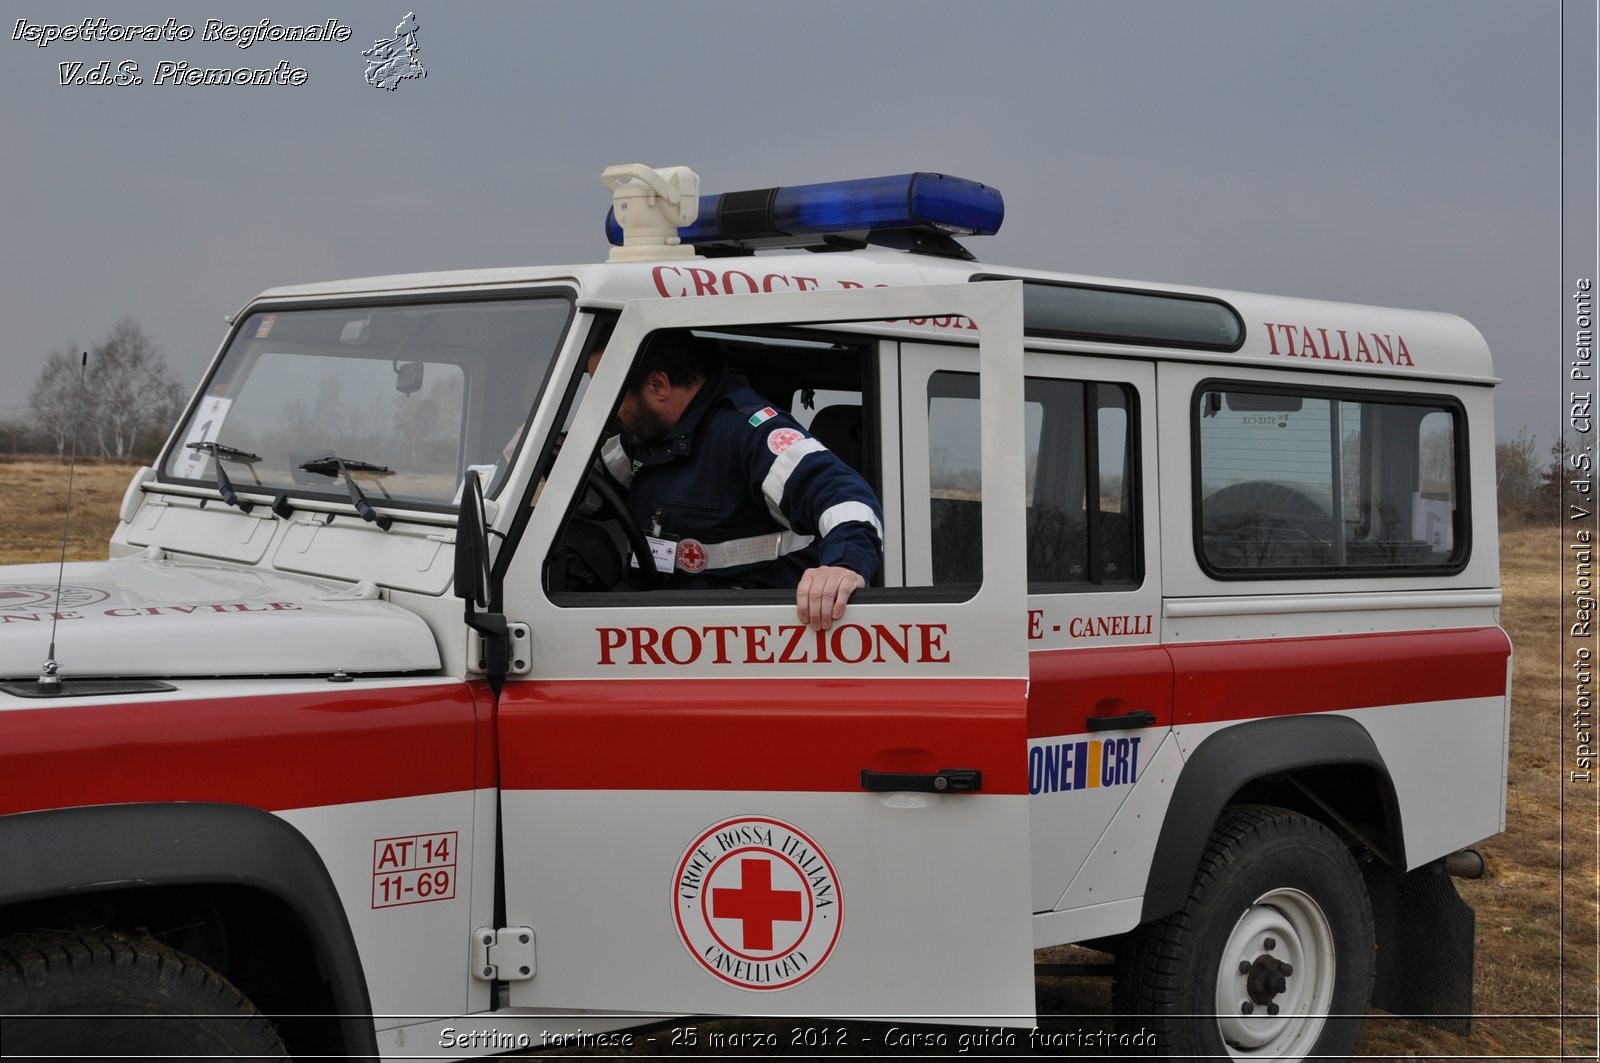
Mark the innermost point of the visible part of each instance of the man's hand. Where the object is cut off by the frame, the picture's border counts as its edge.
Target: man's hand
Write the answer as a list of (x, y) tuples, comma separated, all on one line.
[(823, 593)]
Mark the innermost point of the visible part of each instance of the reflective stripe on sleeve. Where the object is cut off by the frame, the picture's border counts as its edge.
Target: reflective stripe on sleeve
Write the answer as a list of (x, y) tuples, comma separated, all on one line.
[(847, 513), (778, 475), (616, 460)]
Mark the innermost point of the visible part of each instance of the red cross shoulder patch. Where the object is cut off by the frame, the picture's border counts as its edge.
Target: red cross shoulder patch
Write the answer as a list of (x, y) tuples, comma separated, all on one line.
[(781, 439), (757, 903)]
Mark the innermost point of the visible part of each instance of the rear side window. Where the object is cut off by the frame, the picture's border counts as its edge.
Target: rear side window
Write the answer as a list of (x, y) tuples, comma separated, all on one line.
[(1314, 482), (1082, 525)]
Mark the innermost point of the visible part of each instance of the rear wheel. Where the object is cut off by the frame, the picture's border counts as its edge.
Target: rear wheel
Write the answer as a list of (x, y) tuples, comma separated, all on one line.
[(1271, 957), (108, 994)]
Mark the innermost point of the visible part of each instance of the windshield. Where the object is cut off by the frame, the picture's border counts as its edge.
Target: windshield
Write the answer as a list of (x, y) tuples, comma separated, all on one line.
[(410, 398)]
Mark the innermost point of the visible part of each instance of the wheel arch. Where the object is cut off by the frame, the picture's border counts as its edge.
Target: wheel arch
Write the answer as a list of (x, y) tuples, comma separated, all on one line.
[(144, 852), (1286, 761)]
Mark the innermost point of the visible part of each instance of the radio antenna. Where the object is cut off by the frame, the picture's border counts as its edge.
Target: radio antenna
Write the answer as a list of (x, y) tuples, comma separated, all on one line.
[(48, 677)]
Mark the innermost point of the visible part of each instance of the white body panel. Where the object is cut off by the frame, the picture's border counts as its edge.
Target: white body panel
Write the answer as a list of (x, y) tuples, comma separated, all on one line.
[(1442, 346), (221, 533), (1119, 863), (406, 558), (619, 945), (140, 617), (413, 948), (1448, 749)]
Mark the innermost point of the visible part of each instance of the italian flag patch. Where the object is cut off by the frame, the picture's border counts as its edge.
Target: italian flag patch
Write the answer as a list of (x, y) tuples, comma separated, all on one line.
[(762, 415)]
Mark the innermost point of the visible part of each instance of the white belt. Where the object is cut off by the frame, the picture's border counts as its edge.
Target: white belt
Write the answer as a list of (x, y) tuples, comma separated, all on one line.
[(696, 556)]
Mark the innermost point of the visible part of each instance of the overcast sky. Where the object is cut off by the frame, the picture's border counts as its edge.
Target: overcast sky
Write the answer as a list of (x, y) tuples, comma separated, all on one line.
[(1377, 152)]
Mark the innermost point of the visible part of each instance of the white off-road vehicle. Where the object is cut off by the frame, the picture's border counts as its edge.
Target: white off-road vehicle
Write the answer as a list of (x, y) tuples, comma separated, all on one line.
[(381, 733)]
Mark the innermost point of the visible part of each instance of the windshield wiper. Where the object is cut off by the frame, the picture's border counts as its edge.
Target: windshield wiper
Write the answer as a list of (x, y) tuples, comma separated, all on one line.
[(221, 453), (332, 463), (226, 453)]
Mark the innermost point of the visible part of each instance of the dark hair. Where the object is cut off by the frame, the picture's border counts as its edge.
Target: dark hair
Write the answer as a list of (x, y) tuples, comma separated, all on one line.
[(677, 354)]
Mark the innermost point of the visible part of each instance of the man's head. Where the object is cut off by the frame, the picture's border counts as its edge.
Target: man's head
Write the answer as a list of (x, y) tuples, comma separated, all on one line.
[(668, 374)]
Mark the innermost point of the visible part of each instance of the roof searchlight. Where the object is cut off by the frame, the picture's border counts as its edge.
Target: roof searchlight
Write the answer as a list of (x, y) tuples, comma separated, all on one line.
[(651, 206)]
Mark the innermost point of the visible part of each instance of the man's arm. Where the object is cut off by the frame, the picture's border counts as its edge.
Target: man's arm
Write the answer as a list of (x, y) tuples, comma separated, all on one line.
[(810, 489)]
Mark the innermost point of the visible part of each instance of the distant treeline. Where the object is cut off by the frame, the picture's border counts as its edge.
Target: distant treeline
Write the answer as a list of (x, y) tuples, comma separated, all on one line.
[(1529, 488)]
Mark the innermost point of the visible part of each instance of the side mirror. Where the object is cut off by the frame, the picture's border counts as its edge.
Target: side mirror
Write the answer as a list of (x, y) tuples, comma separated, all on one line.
[(472, 546), (475, 583)]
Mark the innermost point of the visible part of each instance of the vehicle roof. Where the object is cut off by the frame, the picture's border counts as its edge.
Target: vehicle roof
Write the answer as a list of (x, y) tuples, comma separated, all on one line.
[(1279, 331)]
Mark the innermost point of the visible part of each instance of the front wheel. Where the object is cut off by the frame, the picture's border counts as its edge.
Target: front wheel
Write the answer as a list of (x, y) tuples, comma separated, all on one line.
[(108, 994), (1272, 957)]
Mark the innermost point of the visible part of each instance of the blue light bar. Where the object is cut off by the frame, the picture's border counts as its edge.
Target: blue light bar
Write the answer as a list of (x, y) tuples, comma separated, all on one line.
[(804, 214)]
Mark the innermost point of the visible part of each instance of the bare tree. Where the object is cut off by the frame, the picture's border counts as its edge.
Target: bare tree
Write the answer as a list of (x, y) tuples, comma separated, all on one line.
[(54, 401), (129, 397), (1517, 473), (136, 393)]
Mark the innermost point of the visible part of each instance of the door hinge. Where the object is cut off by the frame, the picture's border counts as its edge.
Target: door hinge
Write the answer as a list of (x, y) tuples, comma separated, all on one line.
[(520, 658), (504, 955)]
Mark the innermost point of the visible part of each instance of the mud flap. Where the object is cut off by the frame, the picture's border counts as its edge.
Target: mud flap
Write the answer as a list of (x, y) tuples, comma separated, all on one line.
[(1426, 935)]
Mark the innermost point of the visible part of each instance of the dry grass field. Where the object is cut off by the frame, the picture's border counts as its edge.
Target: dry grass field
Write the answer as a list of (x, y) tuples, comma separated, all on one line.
[(1530, 967), (33, 499)]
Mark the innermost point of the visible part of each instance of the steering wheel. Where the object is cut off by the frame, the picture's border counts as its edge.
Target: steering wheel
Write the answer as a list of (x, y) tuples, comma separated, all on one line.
[(606, 489)]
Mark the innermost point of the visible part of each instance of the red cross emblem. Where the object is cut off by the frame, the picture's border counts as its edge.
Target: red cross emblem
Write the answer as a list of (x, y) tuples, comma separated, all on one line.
[(781, 439), (757, 903), (691, 556)]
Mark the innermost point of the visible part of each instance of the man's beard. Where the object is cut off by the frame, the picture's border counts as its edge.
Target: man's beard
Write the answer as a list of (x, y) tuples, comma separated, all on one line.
[(647, 429)]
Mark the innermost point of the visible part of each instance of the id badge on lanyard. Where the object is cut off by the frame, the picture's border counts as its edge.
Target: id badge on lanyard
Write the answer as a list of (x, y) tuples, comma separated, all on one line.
[(663, 550)]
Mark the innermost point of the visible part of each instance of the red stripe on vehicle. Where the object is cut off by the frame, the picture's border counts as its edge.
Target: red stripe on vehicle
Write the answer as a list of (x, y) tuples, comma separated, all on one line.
[(786, 735), (1069, 686), (1217, 681), (1214, 682), (273, 751)]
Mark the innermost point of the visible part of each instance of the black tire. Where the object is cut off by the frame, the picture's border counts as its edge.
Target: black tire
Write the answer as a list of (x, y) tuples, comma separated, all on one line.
[(1268, 877), (108, 994)]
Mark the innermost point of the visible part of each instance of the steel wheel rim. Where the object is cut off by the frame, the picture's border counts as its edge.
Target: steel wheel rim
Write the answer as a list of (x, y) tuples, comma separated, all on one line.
[(1299, 934)]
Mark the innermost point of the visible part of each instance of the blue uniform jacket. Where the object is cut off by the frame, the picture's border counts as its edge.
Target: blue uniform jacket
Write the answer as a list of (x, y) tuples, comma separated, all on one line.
[(751, 498)]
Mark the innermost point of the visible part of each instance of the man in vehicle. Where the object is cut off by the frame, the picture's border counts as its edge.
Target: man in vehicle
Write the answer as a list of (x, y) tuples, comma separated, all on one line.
[(732, 492)]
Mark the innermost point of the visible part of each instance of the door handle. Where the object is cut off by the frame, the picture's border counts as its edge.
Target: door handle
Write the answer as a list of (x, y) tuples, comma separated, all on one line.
[(943, 781), (1136, 718)]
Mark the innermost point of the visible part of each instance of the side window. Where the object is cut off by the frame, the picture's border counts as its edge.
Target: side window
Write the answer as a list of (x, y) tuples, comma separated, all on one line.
[(1315, 482), (839, 419), (955, 475), (1082, 522), (825, 381)]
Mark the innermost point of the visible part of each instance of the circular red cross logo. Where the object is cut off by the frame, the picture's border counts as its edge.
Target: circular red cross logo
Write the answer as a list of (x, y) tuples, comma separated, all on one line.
[(757, 903), (781, 439), (691, 556)]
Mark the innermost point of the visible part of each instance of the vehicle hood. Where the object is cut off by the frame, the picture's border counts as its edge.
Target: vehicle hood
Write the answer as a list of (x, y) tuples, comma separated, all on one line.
[(146, 617)]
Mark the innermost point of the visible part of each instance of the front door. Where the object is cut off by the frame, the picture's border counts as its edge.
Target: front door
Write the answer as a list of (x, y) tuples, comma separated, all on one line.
[(710, 809)]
